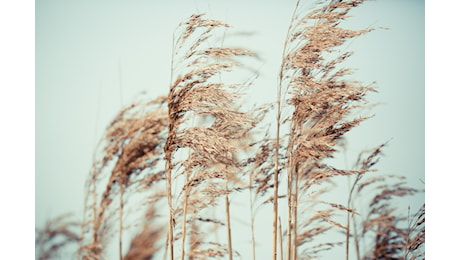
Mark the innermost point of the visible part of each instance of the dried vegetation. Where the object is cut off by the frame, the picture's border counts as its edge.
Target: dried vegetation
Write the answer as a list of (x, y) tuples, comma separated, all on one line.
[(170, 166)]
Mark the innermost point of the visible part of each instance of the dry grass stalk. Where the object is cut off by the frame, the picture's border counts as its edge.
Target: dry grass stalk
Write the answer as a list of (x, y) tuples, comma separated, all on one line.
[(227, 214), (383, 224), (415, 236), (133, 144), (277, 144), (365, 165), (280, 238), (260, 169), (206, 142), (196, 94), (321, 98)]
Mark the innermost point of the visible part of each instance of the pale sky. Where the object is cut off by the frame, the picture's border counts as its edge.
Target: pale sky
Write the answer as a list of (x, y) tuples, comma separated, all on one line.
[(84, 49)]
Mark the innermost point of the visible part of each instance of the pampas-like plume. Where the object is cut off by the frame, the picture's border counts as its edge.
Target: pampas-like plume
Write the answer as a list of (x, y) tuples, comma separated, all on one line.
[(321, 98), (197, 147), (382, 224), (134, 142), (365, 165), (197, 94)]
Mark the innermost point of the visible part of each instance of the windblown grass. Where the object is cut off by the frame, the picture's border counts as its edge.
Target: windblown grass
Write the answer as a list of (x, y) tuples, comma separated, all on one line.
[(183, 156)]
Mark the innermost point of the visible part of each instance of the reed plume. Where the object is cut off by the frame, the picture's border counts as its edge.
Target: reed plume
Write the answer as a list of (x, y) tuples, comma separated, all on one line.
[(181, 157), (197, 94), (322, 101), (134, 142), (380, 222)]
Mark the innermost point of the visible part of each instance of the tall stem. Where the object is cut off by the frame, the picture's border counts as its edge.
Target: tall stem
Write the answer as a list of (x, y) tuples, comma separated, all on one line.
[(347, 247), (120, 238), (289, 218), (280, 238), (294, 213), (95, 220), (229, 230), (276, 173), (171, 212), (275, 207), (348, 237), (168, 157), (184, 221), (355, 235), (275, 195), (251, 204)]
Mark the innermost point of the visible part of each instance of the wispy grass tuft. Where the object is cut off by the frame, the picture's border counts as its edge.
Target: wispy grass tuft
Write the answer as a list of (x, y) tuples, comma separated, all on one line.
[(168, 170)]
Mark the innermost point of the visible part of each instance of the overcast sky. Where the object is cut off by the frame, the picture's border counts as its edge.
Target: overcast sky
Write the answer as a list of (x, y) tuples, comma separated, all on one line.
[(92, 57)]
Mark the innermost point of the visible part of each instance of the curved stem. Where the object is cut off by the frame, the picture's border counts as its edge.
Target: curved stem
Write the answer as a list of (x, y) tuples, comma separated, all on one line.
[(277, 148)]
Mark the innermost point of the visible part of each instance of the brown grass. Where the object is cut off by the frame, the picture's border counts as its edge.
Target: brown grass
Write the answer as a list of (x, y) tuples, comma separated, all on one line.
[(187, 154)]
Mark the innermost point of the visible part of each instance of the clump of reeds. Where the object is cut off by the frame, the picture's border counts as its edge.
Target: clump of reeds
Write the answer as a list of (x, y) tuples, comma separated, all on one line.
[(183, 155), (212, 162), (132, 144), (322, 101), (392, 234), (392, 238)]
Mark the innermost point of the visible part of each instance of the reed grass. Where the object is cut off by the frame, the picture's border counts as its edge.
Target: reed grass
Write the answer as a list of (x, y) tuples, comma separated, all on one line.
[(188, 153)]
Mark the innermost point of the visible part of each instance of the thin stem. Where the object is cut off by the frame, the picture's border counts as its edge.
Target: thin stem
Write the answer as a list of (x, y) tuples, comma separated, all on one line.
[(294, 224), (275, 210), (347, 247), (171, 212), (229, 230), (358, 177), (251, 203), (347, 237), (184, 228), (275, 195), (168, 152), (184, 221), (355, 234), (120, 248), (291, 173), (406, 249), (280, 238), (289, 218), (95, 221)]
